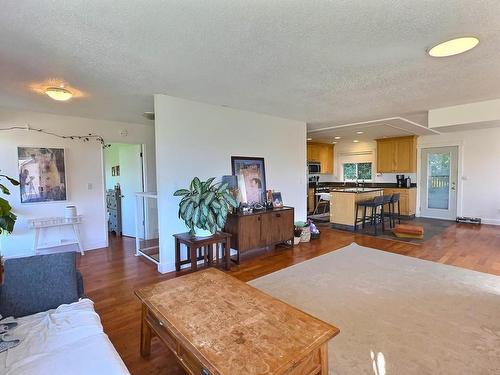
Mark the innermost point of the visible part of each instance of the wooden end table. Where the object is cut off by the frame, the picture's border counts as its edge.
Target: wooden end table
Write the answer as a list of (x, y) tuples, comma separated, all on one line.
[(218, 325), (204, 246)]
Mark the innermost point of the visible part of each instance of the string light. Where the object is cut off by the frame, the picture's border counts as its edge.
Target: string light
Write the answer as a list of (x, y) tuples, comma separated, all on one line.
[(84, 138)]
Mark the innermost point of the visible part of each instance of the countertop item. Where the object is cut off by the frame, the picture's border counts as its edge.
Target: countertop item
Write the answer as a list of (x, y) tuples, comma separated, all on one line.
[(216, 324)]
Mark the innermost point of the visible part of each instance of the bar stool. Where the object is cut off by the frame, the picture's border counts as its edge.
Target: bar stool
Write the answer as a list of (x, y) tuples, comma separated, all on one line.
[(392, 212), (373, 204), (387, 202)]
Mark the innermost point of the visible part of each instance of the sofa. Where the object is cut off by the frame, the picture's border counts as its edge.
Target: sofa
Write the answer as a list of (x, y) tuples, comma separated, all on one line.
[(60, 331)]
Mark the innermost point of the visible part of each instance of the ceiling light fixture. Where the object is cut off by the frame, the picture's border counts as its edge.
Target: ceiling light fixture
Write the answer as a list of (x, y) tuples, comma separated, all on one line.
[(58, 93), (453, 46), (359, 132), (309, 139), (337, 137), (355, 141), (334, 142)]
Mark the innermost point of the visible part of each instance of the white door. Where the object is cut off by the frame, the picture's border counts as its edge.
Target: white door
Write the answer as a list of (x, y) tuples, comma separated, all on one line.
[(131, 182), (438, 186)]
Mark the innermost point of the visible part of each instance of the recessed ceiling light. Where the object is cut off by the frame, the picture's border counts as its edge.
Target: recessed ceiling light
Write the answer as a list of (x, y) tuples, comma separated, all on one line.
[(58, 93), (453, 46), (309, 139), (334, 142), (359, 132), (337, 137), (355, 141)]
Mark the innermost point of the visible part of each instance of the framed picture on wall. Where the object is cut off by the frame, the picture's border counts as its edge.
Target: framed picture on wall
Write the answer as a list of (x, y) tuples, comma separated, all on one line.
[(42, 174), (251, 175)]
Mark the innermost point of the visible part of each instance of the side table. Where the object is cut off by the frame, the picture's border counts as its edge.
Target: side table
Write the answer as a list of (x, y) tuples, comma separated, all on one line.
[(203, 246)]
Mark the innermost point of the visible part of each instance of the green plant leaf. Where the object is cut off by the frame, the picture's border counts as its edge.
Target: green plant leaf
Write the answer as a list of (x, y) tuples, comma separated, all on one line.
[(184, 206), (204, 209), (196, 185), (215, 204), (181, 192), (196, 216), (230, 199), (209, 198), (207, 183), (189, 211), (223, 187), (11, 180), (210, 218), (4, 189), (221, 221)]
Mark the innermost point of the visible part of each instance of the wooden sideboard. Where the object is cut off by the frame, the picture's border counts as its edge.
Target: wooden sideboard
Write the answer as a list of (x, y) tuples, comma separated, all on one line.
[(260, 229)]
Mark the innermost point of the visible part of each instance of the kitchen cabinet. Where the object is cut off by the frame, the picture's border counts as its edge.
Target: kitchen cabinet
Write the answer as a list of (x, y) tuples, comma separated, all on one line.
[(395, 155), (407, 200), (322, 153)]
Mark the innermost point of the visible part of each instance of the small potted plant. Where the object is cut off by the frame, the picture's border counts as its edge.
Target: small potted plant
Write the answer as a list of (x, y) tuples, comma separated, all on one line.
[(204, 206)]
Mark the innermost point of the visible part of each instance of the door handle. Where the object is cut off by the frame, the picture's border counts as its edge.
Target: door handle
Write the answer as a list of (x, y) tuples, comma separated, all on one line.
[(453, 186), (278, 215)]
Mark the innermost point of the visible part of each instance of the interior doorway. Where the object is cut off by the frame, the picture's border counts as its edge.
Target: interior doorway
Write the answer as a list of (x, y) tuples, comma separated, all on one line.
[(124, 176), (438, 193)]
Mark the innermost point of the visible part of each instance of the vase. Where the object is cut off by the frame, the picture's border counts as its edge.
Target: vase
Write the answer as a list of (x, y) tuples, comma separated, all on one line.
[(198, 232)]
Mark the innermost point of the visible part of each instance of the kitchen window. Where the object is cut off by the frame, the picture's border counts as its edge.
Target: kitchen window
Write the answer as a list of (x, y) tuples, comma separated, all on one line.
[(357, 171)]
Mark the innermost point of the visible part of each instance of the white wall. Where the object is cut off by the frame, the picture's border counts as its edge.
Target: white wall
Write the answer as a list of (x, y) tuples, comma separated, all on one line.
[(479, 171), (349, 152), (84, 166), (195, 139)]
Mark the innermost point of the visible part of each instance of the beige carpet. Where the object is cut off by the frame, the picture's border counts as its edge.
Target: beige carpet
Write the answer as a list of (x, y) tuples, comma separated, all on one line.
[(411, 316)]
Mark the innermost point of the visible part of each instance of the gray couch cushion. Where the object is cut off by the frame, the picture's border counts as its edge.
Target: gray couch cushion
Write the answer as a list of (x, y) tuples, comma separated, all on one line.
[(38, 283)]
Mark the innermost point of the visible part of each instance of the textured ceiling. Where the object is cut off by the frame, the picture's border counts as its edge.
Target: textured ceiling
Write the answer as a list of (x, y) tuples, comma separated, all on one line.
[(324, 62)]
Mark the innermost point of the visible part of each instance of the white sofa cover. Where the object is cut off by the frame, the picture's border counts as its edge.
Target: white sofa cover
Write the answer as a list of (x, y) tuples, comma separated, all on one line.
[(66, 340)]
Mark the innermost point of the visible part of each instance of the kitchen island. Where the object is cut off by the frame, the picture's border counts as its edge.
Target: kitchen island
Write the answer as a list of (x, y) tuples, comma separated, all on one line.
[(343, 204)]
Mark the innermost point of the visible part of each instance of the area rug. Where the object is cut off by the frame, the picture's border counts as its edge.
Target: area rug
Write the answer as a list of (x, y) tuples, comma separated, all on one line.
[(396, 314)]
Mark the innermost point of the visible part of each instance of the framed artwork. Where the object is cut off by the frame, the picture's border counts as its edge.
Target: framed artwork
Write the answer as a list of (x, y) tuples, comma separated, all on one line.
[(113, 171), (277, 200), (42, 174), (251, 176)]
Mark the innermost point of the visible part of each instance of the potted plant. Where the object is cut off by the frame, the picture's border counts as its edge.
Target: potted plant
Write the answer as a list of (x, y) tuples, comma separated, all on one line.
[(204, 206), (7, 217)]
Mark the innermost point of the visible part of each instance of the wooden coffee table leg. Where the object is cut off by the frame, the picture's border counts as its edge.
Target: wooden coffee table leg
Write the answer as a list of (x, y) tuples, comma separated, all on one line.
[(323, 353), (145, 334)]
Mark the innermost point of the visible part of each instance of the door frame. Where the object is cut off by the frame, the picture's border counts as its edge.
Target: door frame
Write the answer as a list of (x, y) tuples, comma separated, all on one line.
[(145, 181), (441, 143)]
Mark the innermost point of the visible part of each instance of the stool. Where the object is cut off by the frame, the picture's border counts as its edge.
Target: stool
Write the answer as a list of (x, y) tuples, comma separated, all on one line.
[(201, 248), (387, 202), (373, 204), (392, 211)]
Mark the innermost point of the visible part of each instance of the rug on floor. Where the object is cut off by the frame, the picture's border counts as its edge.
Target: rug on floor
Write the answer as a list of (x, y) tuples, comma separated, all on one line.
[(396, 314)]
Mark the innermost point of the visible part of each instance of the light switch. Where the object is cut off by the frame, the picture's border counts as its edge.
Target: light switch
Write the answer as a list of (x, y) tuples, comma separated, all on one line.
[(89, 186)]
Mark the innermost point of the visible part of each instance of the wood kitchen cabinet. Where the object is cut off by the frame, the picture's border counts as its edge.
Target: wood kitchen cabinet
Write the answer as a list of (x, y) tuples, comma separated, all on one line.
[(396, 155), (407, 200), (322, 153), (260, 229)]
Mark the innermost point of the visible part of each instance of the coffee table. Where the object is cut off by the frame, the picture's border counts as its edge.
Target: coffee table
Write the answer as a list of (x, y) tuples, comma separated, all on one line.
[(216, 324)]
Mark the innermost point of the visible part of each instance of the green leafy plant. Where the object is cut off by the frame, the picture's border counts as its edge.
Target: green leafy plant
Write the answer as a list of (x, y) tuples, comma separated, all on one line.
[(205, 205), (7, 217)]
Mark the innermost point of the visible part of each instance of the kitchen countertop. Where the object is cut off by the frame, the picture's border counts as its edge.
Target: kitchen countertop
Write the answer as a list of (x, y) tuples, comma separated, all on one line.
[(355, 190), (365, 185)]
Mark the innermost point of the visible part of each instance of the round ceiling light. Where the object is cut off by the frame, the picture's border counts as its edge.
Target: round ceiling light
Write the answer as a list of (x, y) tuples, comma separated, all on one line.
[(309, 139), (356, 141), (58, 93), (454, 46), (337, 137), (359, 132)]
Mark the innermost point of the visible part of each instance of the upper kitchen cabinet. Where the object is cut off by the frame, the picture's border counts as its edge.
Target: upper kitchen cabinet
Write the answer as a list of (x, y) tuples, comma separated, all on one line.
[(397, 155), (322, 153)]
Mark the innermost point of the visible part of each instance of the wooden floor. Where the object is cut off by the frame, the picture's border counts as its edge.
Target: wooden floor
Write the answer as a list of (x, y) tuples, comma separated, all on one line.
[(112, 274)]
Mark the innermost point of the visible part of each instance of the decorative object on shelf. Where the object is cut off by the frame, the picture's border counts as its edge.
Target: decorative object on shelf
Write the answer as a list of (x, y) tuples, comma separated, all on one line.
[(70, 212), (277, 200), (251, 175), (205, 205), (83, 138), (269, 199), (42, 174), (7, 217)]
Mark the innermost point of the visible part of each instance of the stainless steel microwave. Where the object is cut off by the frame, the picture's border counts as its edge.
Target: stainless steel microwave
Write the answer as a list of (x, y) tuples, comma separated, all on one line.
[(314, 167)]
